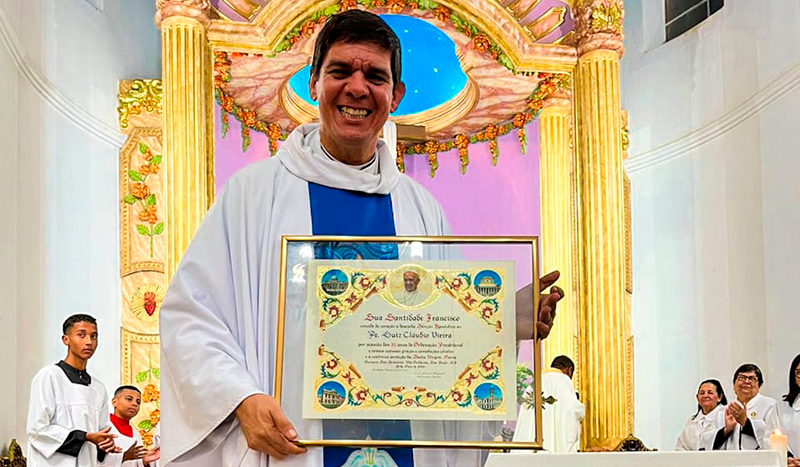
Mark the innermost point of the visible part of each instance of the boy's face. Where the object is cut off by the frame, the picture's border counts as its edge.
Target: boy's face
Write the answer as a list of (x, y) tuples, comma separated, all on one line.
[(126, 404), (81, 339)]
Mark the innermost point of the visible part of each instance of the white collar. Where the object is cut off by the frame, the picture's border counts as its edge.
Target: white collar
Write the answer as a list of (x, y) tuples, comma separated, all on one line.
[(302, 155)]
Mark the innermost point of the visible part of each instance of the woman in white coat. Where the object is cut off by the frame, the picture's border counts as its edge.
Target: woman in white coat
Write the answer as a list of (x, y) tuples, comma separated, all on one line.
[(789, 413), (710, 400)]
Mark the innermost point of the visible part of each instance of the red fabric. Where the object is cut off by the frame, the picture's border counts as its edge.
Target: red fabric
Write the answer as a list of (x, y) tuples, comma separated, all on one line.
[(123, 426)]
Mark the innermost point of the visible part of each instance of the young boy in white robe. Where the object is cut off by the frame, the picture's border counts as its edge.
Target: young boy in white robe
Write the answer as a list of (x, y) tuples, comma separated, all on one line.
[(127, 401), (68, 422), (748, 421)]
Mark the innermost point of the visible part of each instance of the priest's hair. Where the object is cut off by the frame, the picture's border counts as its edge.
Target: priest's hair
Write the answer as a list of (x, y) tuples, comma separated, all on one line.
[(74, 319), (562, 362), (747, 368), (354, 26), (125, 388)]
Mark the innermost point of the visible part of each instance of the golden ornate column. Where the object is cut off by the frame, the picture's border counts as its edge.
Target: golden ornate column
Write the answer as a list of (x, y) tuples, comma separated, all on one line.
[(556, 184), (605, 385), (186, 66)]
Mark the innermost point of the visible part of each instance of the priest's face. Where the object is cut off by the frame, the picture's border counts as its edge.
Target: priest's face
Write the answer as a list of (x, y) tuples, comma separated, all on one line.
[(356, 93), (81, 339), (708, 397), (746, 385), (126, 403)]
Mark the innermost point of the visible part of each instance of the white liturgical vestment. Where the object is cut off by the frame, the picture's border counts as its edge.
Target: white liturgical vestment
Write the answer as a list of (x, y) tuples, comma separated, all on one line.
[(789, 416), (763, 416), (58, 407), (219, 317), (561, 418), (697, 426), (124, 442)]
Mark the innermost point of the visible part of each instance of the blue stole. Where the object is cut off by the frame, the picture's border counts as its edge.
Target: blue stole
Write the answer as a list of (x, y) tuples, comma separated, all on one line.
[(341, 212)]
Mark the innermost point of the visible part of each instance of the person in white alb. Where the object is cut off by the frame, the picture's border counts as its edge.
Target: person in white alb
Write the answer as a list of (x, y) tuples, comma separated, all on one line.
[(747, 422), (68, 422), (127, 401), (562, 412), (219, 317), (710, 401), (789, 413)]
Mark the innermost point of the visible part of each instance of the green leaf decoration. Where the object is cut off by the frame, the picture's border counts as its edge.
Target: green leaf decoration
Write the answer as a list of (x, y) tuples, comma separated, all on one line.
[(283, 46), (151, 199), (135, 176), (156, 160), (330, 10), (142, 148), (156, 371), (141, 376), (145, 425), (158, 230), (129, 199), (143, 230), (427, 5)]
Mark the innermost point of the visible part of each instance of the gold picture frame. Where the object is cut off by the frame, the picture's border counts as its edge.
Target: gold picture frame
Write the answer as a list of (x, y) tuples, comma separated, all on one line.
[(530, 241)]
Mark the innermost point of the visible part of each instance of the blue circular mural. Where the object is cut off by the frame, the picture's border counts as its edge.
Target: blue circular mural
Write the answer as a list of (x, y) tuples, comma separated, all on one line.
[(431, 70)]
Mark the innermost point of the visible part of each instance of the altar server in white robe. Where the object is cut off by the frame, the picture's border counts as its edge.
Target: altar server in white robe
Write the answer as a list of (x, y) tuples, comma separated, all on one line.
[(789, 412), (127, 401), (748, 421), (562, 414), (218, 320), (711, 401), (68, 423)]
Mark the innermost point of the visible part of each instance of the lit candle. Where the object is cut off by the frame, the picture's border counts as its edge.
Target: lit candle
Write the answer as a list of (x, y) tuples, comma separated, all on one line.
[(778, 442)]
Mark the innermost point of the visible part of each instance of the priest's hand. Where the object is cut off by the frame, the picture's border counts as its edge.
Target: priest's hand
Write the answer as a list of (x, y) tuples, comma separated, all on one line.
[(547, 307), (266, 428), (103, 440), (136, 451)]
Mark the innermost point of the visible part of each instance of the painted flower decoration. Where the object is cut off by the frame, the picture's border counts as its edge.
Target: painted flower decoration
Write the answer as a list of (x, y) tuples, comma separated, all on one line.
[(487, 311), (140, 190), (457, 396), (481, 43), (487, 365), (147, 438), (361, 395), (396, 6), (331, 364), (456, 284), (333, 311), (364, 282), (441, 13), (155, 416)]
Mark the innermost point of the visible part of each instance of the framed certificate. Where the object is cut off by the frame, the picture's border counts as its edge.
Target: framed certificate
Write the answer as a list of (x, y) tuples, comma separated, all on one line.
[(379, 335)]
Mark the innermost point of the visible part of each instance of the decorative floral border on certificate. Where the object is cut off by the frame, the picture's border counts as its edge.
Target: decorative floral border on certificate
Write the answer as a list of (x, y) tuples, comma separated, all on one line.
[(341, 388), (341, 290)]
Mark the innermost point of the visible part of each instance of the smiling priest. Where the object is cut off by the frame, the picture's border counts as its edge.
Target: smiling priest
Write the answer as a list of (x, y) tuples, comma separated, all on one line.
[(218, 320)]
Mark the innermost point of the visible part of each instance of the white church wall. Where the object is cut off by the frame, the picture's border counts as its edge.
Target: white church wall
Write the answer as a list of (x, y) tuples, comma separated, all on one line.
[(715, 218), (62, 254)]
